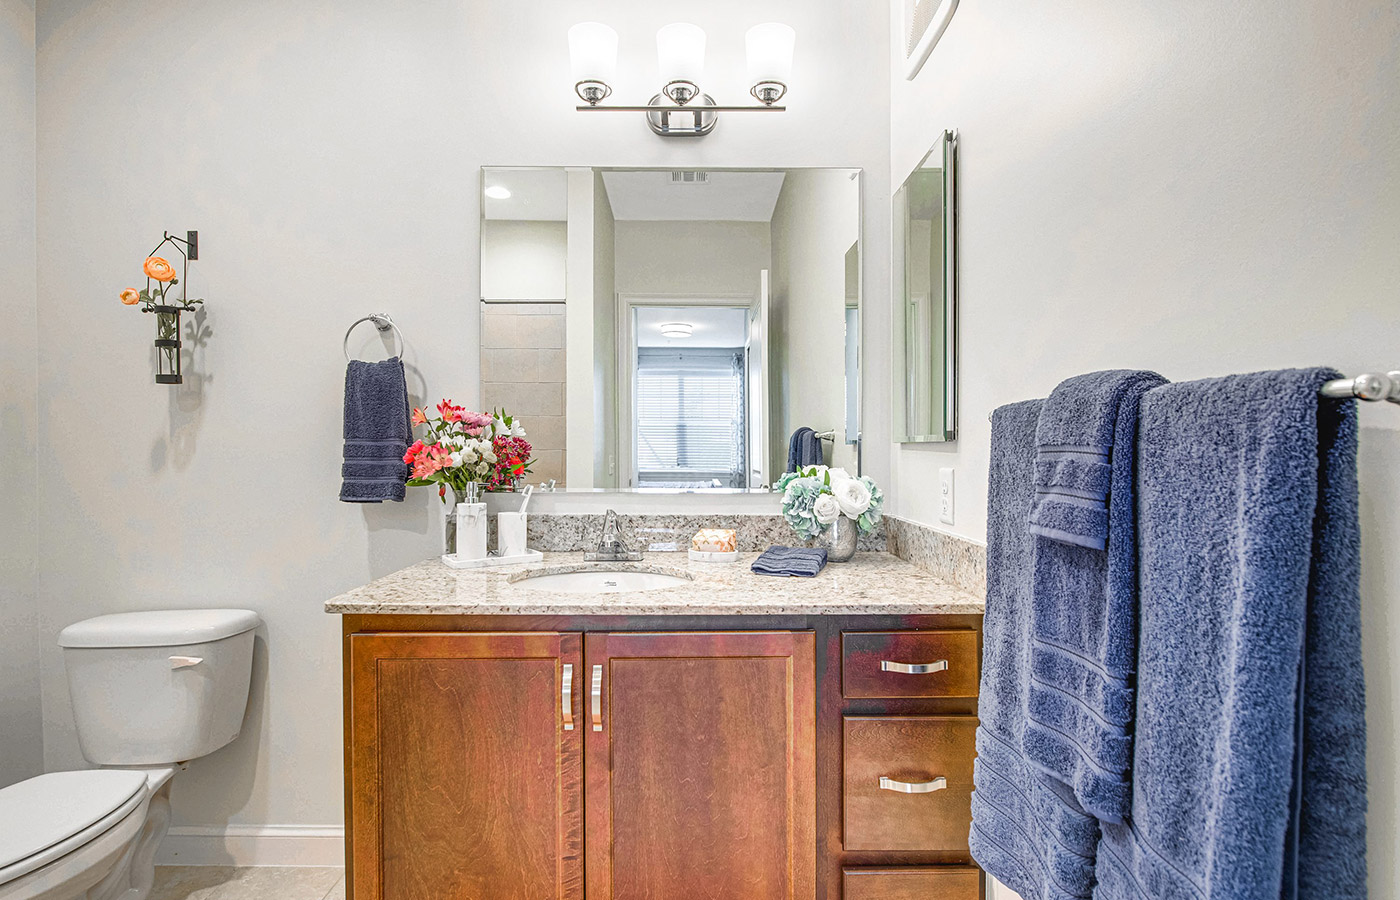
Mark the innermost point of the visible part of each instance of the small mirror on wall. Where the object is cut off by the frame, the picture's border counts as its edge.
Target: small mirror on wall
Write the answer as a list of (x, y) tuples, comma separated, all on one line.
[(925, 247)]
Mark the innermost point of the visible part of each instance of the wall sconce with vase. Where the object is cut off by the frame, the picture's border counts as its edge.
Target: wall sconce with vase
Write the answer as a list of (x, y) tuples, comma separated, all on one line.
[(155, 298), (681, 109)]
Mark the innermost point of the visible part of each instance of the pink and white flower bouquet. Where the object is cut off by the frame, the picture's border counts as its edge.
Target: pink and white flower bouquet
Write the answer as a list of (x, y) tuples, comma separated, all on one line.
[(461, 447)]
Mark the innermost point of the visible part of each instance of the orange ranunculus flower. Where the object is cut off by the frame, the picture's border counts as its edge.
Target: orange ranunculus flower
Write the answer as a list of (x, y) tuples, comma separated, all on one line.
[(130, 297), (159, 269)]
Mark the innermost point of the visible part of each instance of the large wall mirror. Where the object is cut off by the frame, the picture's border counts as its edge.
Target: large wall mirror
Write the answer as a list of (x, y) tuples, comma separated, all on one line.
[(926, 288), (671, 330)]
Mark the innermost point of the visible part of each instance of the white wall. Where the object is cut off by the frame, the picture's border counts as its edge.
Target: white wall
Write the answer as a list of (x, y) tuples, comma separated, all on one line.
[(605, 461), (21, 732), (1196, 188), (815, 221), (691, 258), (523, 260), (328, 153)]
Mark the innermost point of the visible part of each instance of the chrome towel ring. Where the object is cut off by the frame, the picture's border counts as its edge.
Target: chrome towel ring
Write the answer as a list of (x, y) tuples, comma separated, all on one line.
[(382, 322)]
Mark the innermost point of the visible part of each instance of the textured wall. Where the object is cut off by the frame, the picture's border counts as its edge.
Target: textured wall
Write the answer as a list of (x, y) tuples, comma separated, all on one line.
[(21, 734)]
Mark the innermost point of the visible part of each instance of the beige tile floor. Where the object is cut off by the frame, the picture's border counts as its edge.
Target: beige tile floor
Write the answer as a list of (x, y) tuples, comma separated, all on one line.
[(257, 883)]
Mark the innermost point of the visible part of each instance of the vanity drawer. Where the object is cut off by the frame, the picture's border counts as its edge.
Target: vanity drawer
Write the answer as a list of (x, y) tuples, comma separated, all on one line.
[(907, 782), (909, 663), (912, 883)]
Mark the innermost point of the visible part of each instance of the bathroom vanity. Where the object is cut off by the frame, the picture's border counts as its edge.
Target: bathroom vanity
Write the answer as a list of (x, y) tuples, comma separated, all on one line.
[(662, 729)]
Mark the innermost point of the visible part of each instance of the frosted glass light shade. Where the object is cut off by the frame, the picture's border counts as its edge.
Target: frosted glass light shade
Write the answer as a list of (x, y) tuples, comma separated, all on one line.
[(768, 48), (680, 52), (593, 52)]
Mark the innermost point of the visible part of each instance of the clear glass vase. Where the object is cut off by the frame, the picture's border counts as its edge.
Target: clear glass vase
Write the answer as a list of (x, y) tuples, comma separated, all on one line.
[(841, 540)]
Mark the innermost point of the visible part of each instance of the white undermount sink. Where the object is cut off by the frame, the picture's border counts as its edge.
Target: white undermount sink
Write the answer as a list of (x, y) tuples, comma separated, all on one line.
[(599, 582)]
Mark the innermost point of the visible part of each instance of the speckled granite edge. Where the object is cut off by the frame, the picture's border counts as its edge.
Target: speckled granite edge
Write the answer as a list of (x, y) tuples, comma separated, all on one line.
[(870, 584), (956, 560), (577, 532)]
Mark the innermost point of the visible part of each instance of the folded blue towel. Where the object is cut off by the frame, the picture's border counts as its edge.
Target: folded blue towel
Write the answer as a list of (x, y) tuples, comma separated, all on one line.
[(1084, 596), (1248, 535), (376, 431), (802, 561), (1027, 830)]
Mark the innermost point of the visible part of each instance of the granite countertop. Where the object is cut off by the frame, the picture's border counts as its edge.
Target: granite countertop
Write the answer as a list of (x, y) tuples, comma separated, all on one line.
[(871, 584)]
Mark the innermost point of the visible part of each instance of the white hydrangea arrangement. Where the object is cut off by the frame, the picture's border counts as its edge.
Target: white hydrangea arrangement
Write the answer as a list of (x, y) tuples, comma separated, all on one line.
[(814, 497)]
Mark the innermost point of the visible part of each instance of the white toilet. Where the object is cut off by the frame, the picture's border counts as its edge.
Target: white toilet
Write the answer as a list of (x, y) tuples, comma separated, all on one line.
[(150, 691)]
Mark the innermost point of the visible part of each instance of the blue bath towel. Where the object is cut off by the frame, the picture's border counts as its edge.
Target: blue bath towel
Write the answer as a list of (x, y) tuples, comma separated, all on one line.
[(801, 561), (1027, 830), (1249, 759), (1084, 594), (376, 431)]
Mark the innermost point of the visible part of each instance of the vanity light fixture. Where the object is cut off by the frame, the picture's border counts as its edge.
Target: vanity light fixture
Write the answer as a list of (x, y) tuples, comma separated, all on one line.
[(676, 329), (681, 109), (497, 192)]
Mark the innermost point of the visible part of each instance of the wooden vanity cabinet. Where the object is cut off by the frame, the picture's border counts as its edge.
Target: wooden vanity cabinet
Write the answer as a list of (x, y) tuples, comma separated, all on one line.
[(641, 758)]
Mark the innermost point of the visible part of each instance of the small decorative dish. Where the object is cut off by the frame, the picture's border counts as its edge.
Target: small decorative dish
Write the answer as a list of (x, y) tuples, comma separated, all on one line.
[(710, 556), (529, 556)]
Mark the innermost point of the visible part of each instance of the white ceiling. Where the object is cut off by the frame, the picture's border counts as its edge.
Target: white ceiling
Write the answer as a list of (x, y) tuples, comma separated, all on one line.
[(536, 195), (649, 196), (712, 326)]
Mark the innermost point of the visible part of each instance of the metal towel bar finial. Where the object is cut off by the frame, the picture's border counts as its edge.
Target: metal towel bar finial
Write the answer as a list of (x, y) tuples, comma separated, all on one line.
[(826, 435), (383, 323), (1371, 386)]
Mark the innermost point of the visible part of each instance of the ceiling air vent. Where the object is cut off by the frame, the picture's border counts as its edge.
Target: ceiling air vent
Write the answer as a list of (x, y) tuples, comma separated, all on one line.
[(681, 176)]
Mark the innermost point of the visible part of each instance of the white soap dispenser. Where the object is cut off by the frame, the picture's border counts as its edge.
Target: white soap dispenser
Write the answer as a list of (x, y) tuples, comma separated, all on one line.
[(471, 525)]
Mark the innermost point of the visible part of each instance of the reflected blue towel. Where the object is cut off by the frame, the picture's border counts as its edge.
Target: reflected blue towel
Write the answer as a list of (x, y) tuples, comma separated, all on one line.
[(804, 449), (801, 561), (376, 431), (1084, 593), (1244, 785), (1027, 830)]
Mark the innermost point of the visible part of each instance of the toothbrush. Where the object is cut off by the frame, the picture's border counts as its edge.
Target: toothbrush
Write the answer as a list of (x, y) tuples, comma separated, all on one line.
[(525, 497)]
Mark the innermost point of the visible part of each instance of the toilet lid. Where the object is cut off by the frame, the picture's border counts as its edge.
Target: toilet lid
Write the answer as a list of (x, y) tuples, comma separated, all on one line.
[(46, 810)]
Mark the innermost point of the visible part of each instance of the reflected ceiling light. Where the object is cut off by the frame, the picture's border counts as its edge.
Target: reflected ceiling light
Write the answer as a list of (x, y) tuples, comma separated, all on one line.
[(681, 109), (676, 329), (497, 192)]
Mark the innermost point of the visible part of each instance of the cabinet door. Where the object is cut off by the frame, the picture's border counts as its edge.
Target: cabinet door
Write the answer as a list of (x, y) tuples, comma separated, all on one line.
[(700, 762), (466, 778)]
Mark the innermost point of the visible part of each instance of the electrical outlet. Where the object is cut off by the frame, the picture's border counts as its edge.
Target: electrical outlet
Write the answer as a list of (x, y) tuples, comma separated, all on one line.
[(945, 496)]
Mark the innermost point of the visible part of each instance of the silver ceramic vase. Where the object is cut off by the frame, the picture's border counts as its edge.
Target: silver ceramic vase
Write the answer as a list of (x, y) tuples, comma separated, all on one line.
[(841, 540)]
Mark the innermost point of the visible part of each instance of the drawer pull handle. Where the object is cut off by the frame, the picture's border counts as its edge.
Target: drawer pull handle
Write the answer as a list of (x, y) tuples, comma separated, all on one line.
[(913, 668), (568, 696), (597, 698), (913, 787)]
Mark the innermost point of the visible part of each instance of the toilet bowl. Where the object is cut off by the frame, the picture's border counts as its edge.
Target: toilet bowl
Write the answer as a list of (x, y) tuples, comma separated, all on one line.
[(150, 691)]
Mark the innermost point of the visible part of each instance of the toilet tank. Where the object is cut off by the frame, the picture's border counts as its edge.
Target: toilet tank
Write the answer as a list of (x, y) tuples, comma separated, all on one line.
[(165, 686)]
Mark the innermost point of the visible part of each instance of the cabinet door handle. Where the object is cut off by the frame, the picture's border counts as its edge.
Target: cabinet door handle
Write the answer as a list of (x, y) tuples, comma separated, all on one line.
[(913, 668), (597, 695), (568, 696), (913, 787)]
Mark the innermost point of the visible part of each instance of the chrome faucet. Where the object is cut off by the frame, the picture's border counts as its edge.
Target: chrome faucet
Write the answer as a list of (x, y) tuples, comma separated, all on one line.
[(610, 545)]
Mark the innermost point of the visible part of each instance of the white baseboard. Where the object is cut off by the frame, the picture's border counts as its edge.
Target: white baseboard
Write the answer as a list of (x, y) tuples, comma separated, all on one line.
[(253, 845)]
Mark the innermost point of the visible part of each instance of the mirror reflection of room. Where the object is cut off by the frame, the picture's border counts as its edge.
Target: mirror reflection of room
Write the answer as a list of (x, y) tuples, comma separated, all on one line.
[(674, 330)]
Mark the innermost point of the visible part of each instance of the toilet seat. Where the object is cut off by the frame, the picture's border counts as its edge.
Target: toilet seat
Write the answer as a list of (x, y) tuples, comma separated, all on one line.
[(46, 817)]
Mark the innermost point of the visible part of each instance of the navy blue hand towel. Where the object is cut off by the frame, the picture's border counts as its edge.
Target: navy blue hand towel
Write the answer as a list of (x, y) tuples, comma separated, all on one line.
[(804, 449), (801, 561), (1249, 758), (1084, 594), (376, 431), (1027, 829)]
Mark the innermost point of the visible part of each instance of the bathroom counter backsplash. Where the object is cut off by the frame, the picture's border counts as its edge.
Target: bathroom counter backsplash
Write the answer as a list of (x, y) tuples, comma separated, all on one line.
[(578, 532), (873, 583)]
